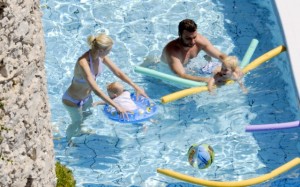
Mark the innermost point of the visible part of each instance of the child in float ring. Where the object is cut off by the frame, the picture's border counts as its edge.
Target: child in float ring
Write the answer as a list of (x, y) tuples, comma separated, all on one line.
[(120, 96), (138, 108)]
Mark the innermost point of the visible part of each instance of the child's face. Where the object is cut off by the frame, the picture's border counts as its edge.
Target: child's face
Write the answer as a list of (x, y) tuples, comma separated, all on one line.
[(226, 72), (111, 95), (115, 90)]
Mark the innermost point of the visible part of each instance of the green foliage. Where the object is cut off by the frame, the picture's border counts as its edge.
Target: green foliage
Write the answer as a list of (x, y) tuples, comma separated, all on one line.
[(2, 128), (5, 159), (1, 105), (64, 176)]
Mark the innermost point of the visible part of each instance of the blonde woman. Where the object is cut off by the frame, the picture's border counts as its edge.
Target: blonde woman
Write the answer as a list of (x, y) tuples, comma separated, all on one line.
[(77, 97)]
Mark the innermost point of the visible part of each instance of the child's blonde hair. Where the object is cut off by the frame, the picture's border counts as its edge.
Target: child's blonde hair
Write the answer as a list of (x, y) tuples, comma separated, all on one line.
[(231, 62), (115, 88)]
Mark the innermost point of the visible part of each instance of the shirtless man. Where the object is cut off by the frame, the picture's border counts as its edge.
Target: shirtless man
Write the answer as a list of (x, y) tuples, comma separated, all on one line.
[(178, 52)]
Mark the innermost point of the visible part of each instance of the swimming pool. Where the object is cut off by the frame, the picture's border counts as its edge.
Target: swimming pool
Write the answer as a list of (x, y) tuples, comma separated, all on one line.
[(113, 154)]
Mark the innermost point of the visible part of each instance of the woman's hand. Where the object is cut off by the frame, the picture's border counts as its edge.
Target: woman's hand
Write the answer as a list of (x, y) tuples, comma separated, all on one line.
[(140, 91), (122, 113)]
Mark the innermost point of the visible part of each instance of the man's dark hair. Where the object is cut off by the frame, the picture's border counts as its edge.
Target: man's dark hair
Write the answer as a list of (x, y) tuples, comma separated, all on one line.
[(187, 24)]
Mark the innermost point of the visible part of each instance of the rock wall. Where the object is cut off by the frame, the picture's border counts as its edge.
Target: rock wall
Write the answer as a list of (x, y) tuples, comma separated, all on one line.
[(26, 145)]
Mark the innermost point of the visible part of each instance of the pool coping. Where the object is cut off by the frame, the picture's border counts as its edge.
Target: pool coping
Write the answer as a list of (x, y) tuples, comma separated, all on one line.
[(288, 11)]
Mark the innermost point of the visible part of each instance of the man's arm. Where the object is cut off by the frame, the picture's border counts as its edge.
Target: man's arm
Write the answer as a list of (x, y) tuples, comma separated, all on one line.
[(211, 50), (177, 67)]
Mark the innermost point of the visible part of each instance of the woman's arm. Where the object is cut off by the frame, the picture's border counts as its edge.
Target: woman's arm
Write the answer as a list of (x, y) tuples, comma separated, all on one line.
[(93, 84), (98, 103), (122, 76)]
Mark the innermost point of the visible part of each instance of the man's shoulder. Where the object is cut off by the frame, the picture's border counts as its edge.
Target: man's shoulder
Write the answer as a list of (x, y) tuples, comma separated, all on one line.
[(201, 40), (171, 47)]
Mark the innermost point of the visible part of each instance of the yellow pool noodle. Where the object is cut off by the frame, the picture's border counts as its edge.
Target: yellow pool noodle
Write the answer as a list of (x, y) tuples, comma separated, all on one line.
[(248, 182)]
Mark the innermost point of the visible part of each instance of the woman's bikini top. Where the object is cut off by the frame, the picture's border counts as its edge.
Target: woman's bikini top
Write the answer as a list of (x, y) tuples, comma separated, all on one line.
[(100, 69)]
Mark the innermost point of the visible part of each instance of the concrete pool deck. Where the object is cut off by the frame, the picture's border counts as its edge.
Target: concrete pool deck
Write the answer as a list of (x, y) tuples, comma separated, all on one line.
[(288, 11)]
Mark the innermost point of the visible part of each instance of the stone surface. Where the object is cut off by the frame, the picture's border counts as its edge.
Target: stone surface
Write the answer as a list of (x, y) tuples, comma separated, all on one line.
[(26, 146)]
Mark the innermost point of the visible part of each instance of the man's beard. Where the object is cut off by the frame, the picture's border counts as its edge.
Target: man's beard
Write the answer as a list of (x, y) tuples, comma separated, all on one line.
[(186, 44)]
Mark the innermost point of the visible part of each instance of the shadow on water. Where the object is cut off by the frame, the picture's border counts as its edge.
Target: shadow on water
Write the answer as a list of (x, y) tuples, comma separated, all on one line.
[(90, 151), (181, 184), (268, 97), (245, 20), (97, 185)]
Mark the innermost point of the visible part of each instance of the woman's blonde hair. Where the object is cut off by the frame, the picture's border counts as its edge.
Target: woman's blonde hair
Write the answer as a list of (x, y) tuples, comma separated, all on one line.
[(101, 41)]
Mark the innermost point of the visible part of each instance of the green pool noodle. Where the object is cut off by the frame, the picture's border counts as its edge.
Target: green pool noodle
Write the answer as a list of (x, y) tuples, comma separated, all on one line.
[(164, 76), (249, 53)]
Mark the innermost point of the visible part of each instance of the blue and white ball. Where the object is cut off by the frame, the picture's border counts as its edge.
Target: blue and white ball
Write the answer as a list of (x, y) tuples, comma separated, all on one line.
[(201, 156)]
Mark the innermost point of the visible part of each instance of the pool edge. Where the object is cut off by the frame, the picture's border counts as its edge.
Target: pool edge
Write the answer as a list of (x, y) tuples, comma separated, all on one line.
[(288, 11)]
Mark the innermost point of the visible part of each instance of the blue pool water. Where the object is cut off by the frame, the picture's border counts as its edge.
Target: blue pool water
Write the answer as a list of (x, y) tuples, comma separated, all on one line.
[(111, 154)]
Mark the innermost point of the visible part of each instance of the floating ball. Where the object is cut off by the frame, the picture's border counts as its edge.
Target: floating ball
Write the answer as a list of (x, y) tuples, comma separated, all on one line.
[(201, 156)]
